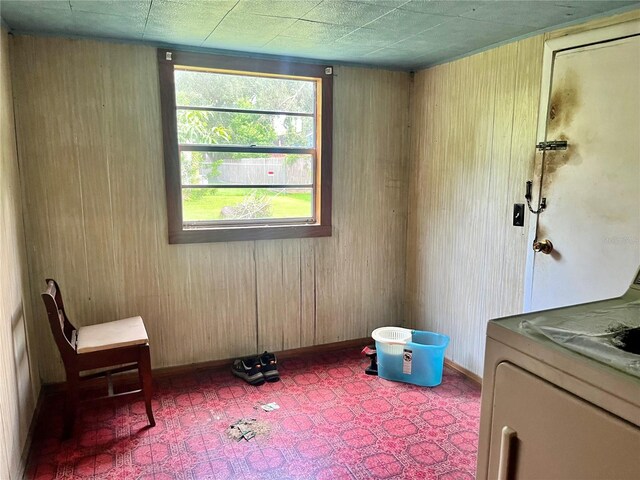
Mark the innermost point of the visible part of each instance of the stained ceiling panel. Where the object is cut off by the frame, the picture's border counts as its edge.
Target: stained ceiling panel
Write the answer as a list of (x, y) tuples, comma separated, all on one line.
[(405, 34)]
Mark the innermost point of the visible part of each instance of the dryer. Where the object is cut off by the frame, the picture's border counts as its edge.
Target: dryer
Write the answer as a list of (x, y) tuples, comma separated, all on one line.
[(549, 412)]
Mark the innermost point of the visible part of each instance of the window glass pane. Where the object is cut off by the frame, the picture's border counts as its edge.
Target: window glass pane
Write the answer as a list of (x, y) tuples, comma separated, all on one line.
[(240, 204), (224, 128), (205, 89), (223, 168)]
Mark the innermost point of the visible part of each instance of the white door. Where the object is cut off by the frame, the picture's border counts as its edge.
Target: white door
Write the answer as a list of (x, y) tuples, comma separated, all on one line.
[(592, 188)]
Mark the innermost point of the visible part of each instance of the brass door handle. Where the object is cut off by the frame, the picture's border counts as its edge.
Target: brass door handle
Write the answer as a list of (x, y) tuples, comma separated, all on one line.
[(543, 246)]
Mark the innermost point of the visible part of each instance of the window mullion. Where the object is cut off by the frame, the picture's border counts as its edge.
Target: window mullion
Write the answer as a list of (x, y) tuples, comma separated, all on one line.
[(241, 110), (192, 147)]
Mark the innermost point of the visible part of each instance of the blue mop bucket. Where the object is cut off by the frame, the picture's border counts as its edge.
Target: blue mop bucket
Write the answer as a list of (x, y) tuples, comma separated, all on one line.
[(411, 356)]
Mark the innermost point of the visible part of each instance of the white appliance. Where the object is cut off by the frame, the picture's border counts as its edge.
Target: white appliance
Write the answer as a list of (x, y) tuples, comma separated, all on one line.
[(551, 412)]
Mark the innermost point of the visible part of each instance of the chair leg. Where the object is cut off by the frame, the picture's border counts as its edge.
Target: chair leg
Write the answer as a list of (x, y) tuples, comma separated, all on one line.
[(144, 371), (71, 404)]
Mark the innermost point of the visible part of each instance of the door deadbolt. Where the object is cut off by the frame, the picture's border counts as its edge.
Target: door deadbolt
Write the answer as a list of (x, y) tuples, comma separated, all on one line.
[(543, 246)]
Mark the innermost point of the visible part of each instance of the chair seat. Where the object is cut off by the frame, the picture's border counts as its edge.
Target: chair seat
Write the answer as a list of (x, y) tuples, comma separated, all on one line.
[(105, 336)]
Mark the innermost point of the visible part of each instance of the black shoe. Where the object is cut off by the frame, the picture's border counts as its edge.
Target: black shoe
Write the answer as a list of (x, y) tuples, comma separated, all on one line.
[(370, 352), (269, 364), (248, 369)]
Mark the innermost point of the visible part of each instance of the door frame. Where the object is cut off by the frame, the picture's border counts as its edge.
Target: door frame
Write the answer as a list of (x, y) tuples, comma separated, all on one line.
[(551, 48)]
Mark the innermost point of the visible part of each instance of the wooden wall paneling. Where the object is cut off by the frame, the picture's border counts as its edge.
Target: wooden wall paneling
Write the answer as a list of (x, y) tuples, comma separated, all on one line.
[(436, 233), (94, 159), (308, 292), (526, 95), (177, 305), (496, 243), (220, 311), (355, 278), (291, 295), (35, 183), (471, 155), (5, 434), (66, 217), (335, 301), (20, 383), (278, 283), (136, 179), (392, 148), (239, 333), (48, 167), (475, 117), (417, 134), (203, 302)]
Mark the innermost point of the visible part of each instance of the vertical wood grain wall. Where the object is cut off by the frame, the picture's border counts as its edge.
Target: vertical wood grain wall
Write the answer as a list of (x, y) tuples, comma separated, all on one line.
[(90, 147), (19, 382), (473, 131)]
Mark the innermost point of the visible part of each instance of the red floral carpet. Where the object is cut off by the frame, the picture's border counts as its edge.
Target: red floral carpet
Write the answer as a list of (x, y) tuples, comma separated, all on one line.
[(334, 422)]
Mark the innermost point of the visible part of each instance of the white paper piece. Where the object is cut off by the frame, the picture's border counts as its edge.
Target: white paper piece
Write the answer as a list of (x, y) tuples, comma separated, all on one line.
[(270, 407), (407, 356)]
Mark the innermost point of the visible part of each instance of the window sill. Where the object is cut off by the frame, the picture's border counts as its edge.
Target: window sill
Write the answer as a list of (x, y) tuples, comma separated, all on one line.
[(236, 234)]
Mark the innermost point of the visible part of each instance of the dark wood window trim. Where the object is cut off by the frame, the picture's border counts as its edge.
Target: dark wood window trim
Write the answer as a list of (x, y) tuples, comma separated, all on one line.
[(181, 233)]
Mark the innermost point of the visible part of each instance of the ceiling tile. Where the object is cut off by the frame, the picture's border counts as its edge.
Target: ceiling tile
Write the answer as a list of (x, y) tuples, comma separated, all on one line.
[(367, 36), (597, 6), (297, 47), (407, 23), (138, 9), (276, 8), (398, 33), (13, 6), (108, 26), (187, 23), (465, 32), (447, 7), (45, 20), (352, 53), (291, 43), (389, 4), (316, 32), (245, 30), (341, 12), (391, 54), (436, 56)]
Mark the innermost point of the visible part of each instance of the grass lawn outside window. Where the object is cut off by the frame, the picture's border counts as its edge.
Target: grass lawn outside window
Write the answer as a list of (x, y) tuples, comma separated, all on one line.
[(209, 204)]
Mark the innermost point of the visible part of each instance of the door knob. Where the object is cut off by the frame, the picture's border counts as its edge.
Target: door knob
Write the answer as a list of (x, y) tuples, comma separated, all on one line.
[(543, 246)]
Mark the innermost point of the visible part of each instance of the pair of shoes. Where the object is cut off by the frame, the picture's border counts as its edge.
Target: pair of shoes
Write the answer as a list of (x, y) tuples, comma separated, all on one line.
[(248, 369), (269, 364), (255, 370)]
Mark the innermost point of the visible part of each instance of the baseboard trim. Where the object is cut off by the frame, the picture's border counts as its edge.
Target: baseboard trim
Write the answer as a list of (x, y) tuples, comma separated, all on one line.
[(467, 373), (178, 370), (282, 355)]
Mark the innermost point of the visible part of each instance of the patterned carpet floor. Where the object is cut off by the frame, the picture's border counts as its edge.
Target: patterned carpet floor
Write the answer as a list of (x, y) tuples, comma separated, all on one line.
[(334, 422)]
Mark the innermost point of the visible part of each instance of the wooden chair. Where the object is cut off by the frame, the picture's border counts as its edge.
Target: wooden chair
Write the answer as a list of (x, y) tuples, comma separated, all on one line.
[(122, 344)]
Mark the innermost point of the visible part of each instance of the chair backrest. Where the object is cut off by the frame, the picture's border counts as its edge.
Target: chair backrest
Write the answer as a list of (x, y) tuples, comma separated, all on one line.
[(62, 329)]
